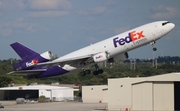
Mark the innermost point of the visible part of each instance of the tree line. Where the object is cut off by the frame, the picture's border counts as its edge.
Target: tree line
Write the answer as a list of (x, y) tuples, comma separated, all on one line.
[(143, 68)]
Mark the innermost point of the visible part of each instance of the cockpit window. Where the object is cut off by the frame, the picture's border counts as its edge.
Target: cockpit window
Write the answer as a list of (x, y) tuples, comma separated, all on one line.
[(165, 23)]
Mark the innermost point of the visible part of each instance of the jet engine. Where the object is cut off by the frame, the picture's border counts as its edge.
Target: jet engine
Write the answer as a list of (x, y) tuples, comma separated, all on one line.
[(120, 57), (100, 57), (32, 60)]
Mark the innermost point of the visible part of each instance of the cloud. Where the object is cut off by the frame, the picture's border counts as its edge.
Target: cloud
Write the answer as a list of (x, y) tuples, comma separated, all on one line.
[(12, 4), (92, 39), (178, 31), (121, 29), (36, 4), (39, 14), (164, 12), (5, 31), (39, 8), (110, 3), (49, 8), (94, 11), (1, 14), (81, 12), (17, 26), (49, 4), (98, 10)]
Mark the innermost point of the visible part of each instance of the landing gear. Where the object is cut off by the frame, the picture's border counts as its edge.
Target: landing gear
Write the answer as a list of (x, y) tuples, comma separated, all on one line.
[(154, 48), (97, 71), (87, 71), (84, 72)]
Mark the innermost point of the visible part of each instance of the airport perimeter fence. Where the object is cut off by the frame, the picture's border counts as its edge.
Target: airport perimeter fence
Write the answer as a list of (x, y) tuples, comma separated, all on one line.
[(54, 99), (67, 99)]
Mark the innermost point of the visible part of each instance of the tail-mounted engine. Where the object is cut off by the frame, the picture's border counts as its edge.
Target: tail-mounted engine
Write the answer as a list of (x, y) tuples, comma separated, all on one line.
[(47, 55), (32, 60)]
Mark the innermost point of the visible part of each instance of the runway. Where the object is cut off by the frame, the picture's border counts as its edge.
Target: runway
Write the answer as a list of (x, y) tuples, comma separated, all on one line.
[(54, 106)]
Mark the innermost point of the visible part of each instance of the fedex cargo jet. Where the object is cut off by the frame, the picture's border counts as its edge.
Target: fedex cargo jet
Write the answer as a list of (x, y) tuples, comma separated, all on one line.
[(112, 49)]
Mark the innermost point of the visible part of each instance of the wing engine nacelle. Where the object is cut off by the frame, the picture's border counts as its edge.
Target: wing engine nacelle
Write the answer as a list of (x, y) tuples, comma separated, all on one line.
[(100, 57), (119, 57), (37, 58)]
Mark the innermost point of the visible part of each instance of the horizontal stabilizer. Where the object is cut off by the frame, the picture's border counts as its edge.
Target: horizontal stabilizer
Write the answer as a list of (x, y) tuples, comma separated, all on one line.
[(27, 72)]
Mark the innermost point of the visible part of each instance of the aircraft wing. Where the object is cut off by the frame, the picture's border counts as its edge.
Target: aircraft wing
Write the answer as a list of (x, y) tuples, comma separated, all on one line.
[(69, 60), (27, 72), (86, 60)]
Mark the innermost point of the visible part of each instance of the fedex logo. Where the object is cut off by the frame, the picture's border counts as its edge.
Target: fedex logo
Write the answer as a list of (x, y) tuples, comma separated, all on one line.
[(33, 62), (100, 56), (132, 36)]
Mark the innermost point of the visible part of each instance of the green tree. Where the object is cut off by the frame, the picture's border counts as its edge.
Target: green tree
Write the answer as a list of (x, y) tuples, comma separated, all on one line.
[(4, 80)]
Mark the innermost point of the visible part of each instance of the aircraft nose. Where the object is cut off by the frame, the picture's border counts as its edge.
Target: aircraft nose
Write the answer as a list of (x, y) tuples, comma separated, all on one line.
[(172, 25), (168, 27)]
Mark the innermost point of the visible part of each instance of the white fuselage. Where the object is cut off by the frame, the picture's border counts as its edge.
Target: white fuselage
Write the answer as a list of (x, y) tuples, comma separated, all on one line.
[(124, 42)]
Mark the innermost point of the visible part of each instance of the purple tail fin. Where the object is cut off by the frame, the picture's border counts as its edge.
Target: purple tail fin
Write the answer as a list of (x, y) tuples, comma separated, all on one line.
[(29, 57), (22, 50)]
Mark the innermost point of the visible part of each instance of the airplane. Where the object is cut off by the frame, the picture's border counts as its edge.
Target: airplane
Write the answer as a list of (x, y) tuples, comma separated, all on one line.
[(112, 49)]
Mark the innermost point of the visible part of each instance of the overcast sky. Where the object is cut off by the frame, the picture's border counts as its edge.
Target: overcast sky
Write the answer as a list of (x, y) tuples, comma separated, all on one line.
[(62, 26)]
